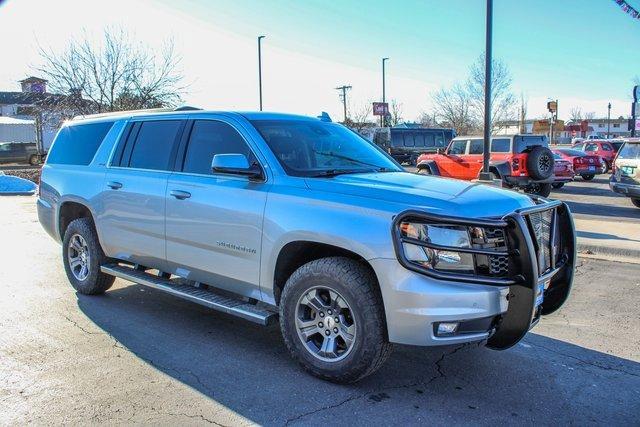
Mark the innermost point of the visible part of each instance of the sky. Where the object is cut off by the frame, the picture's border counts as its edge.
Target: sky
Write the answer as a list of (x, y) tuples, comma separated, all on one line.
[(584, 53)]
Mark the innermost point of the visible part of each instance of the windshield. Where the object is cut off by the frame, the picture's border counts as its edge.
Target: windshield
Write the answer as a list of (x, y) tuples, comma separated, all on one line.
[(313, 148), (629, 151)]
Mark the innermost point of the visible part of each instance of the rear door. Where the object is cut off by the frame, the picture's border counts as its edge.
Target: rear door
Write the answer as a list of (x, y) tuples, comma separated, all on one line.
[(475, 158), (214, 221), (133, 198)]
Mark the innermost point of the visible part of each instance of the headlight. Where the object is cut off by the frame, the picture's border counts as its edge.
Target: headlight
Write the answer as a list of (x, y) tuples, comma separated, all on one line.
[(454, 248), (433, 257)]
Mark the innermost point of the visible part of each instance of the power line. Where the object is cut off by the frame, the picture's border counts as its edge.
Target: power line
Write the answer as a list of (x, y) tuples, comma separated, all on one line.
[(343, 96)]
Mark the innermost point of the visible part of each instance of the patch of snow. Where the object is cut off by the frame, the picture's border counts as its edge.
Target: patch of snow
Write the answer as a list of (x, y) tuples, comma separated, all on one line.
[(12, 185)]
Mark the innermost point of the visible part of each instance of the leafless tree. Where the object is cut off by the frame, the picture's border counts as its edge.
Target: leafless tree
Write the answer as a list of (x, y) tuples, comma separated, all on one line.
[(358, 117), (575, 114), (524, 101), (590, 115), (427, 120), (395, 113), (503, 102), (116, 74), (454, 107)]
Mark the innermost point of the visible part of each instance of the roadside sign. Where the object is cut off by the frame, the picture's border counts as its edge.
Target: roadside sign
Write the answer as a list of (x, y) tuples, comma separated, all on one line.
[(380, 108), (637, 124), (552, 106)]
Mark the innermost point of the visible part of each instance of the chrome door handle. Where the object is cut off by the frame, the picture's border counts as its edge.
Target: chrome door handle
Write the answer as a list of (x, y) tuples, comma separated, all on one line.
[(180, 195), (114, 185)]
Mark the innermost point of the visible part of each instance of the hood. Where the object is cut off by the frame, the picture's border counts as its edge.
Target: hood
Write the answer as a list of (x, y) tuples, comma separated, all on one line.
[(432, 194)]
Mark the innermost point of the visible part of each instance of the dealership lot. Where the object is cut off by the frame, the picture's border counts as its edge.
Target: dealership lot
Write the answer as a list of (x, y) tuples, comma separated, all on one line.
[(136, 355)]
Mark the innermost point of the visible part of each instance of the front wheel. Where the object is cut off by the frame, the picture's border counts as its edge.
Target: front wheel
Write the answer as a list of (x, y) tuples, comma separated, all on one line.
[(424, 171), (540, 189), (605, 167), (82, 256), (332, 320), (636, 202), (588, 177), (557, 185)]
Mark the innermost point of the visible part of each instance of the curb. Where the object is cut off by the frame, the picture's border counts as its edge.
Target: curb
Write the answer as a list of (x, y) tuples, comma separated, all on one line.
[(609, 253)]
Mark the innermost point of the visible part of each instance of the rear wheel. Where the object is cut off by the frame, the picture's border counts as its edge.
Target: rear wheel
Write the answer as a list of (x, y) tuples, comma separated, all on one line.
[(424, 171), (540, 189), (540, 163), (557, 185), (588, 177), (332, 320), (83, 256), (605, 167), (636, 202), (34, 160)]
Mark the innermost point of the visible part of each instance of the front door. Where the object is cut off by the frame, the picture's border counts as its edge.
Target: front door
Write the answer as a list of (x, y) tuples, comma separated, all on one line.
[(214, 221), (132, 211), (452, 163)]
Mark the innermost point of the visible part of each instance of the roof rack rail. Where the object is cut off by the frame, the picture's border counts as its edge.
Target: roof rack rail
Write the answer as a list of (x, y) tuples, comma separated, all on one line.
[(144, 110), (187, 108)]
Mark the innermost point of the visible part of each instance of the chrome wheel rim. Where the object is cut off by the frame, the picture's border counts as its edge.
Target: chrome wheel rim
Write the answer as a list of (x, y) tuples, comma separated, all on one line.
[(325, 324), (78, 257)]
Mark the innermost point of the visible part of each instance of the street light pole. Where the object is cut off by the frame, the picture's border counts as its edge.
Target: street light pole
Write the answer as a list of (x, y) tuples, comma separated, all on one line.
[(383, 120), (609, 121), (260, 68), (485, 175)]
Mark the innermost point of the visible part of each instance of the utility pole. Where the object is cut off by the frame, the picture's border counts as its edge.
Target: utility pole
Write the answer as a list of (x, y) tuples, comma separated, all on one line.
[(260, 69), (383, 119), (609, 121), (343, 96), (485, 175)]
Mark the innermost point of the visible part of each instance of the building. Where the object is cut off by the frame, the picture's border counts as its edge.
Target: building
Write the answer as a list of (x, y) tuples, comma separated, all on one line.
[(619, 127)]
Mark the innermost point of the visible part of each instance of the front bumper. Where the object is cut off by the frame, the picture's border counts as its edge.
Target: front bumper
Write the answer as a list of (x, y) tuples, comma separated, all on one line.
[(525, 181), (416, 300), (626, 189)]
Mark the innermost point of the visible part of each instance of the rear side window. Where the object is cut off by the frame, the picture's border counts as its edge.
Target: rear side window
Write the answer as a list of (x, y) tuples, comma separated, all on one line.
[(208, 138), (154, 144), (591, 147), (476, 146), (526, 143), (500, 145), (77, 144)]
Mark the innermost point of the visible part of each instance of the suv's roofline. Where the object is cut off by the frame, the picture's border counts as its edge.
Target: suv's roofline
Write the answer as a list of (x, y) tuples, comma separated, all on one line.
[(511, 135)]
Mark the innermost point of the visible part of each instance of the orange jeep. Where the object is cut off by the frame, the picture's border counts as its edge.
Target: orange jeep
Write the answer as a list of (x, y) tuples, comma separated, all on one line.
[(520, 161)]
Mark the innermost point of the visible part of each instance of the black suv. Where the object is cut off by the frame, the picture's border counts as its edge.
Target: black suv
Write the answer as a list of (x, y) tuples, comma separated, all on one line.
[(19, 152), (408, 143)]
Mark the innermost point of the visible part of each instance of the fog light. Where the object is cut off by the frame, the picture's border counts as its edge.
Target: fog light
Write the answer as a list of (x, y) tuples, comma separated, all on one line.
[(447, 328)]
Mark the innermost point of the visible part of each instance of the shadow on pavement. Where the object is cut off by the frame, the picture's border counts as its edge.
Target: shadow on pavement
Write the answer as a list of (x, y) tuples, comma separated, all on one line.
[(587, 191), (604, 210), (246, 368), (602, 236)]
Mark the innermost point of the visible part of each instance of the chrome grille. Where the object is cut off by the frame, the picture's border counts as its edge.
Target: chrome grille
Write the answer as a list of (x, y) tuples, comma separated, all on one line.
[(541, 225)]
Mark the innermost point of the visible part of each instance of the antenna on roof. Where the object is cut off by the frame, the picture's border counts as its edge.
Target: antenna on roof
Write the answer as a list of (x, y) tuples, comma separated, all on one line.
[(324, 116)]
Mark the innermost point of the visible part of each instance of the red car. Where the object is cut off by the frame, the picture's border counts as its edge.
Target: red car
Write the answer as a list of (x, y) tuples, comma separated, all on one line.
[(562, 170), (605, 149), (585, 165)]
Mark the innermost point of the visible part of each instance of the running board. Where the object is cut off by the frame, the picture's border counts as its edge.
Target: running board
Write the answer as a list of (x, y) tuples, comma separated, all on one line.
[(229, 305)]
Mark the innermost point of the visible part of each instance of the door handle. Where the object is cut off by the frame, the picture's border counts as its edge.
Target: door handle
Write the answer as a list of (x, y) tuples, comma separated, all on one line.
[(114, 185), (180, 195)]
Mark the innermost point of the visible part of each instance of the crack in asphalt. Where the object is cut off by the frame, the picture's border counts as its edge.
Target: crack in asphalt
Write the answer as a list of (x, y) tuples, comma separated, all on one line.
[(116, 343), (586, 362), (440, 374)]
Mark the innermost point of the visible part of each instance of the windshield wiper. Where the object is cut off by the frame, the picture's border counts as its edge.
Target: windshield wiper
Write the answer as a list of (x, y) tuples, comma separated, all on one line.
[(336, 172), (347, 158)]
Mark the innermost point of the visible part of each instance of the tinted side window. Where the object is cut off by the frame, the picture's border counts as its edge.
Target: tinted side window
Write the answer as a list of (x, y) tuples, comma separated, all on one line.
[(591, 147), (208, 138), (77, 144), (154, 144), (458, 147), (476, 146), (607, 147), (501, 145)]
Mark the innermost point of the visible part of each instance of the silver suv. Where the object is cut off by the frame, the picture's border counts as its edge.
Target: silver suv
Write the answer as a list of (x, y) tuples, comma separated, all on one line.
[(267, 216)]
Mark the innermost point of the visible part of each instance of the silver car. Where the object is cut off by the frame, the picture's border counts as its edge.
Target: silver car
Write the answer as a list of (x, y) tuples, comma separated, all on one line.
[(275, 216)]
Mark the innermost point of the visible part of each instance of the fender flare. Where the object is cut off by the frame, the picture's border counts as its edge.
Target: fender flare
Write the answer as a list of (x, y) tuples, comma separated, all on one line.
[(429, 164), (501, 169)]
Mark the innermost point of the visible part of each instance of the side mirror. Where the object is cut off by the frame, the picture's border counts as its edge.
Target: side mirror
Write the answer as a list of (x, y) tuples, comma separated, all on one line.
[(440, 151), (235, 164)]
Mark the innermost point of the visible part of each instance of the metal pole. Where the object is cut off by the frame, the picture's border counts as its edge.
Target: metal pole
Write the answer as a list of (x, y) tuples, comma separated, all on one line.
[(260, 69), (344, 89), (609, 121), (485, 175), (383, 120)]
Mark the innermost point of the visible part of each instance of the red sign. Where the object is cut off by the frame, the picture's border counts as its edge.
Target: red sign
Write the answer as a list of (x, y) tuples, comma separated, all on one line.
[(380, 108)]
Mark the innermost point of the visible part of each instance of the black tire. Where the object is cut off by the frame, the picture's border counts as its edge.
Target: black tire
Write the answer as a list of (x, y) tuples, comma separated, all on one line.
[(636, 202), (557, 185), (605, 167), (95, 281), (539, 189), (424, 171), (355, 284), (540, 163), (588, 177), (34, 160)]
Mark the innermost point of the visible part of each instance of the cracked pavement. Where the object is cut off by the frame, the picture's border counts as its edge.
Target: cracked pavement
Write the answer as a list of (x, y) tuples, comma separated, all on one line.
[(139, 356)]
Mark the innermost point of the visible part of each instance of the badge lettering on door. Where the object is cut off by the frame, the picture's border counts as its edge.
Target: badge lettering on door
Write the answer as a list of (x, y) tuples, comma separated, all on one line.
[(238, 248)]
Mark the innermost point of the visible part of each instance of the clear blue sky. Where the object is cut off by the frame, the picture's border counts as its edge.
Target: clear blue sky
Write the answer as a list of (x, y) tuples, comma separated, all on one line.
[(583, 52)]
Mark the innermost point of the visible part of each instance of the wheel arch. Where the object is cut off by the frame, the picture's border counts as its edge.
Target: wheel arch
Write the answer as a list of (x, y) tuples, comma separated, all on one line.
[(500, 169), (69, 210), (429, 164)]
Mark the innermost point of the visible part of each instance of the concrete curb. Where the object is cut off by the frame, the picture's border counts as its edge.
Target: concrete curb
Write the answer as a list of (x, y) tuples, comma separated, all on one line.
[(609, 253)]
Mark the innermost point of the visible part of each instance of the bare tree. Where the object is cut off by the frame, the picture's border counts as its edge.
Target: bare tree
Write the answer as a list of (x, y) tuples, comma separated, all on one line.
[(395, 113), (117, 74), (575, 114), (427, 120), (454, 107), (358, 117), (590, 115), (524, 101), (503, 102)]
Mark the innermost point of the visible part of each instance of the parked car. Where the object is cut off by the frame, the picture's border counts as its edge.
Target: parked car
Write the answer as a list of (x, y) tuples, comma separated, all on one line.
[(562, 170), (408, 143), (585, 165), (19, 152), (264, 215), (520, 161), (626, 178), (603, 148)]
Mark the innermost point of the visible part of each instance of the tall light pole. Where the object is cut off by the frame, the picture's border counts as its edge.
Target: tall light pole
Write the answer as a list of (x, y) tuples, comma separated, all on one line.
[(485, 175), (384, 95), (260, 68), (344, 89), (609, 121)]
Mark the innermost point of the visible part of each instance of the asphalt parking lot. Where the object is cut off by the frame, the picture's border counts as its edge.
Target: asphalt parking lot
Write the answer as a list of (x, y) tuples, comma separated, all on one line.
[(136, 355)]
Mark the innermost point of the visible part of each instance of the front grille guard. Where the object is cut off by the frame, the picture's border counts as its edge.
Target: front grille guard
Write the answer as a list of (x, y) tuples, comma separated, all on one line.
[(524, 263)]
